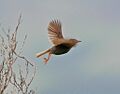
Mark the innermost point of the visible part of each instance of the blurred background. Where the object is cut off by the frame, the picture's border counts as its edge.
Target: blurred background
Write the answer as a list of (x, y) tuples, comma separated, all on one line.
[(93, 66)]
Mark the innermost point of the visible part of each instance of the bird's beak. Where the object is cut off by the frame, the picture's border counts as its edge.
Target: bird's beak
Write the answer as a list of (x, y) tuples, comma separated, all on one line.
[(79, 41)]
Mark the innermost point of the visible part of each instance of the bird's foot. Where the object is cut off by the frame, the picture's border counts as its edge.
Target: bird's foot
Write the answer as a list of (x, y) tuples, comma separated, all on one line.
[(45, 60)]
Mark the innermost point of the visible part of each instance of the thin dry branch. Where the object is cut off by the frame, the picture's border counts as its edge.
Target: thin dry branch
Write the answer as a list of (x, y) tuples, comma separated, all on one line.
[(8, 58), (22, 57)]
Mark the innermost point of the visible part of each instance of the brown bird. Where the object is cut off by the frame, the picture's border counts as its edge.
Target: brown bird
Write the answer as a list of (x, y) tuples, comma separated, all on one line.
[(60, 44)]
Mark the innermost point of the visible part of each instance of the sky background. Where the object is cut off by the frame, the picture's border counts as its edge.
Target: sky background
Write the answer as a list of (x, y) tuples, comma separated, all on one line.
[(93, 66)]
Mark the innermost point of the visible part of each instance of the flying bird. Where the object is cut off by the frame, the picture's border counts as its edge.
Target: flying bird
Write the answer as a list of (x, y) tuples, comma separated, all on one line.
[(61, 45)]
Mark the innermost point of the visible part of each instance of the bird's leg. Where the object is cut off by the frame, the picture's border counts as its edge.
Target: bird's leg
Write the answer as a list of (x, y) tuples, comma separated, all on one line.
[(46, 59)]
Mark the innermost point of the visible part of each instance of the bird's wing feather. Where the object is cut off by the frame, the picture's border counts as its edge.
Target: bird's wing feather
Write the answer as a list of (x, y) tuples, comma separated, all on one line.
[(55, 32)]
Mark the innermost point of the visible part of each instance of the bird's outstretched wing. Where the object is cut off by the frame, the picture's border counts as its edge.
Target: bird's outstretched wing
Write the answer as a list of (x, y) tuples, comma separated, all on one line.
[(55, 32)]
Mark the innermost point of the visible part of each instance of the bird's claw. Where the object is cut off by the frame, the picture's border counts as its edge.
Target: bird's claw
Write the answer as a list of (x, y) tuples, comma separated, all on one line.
[(45, 60)]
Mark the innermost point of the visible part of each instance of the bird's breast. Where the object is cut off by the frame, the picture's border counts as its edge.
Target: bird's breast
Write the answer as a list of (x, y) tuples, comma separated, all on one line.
[(60, 49)]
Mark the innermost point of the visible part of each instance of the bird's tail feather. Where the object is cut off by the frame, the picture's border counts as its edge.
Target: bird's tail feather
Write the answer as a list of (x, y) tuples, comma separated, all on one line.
[(42, 53)]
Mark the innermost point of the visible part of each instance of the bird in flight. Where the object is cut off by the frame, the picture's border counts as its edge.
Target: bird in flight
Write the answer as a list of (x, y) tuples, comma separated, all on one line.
[(60, 44)]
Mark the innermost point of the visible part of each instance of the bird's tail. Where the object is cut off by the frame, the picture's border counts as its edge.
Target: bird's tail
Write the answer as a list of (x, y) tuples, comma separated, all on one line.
[(42, 53)]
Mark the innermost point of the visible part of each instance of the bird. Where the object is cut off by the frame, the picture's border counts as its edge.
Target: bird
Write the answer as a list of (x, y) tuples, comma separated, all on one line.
[(61, 45)]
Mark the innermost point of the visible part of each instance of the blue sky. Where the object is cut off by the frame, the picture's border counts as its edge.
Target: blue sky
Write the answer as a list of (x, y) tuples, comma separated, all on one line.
[(93, 67)]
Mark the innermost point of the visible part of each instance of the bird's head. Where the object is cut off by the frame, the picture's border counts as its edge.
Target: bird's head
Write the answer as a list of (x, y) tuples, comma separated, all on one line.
[(74, 42)]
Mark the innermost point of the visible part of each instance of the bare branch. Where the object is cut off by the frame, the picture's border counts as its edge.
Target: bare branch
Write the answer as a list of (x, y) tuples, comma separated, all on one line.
[(22, 80)]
